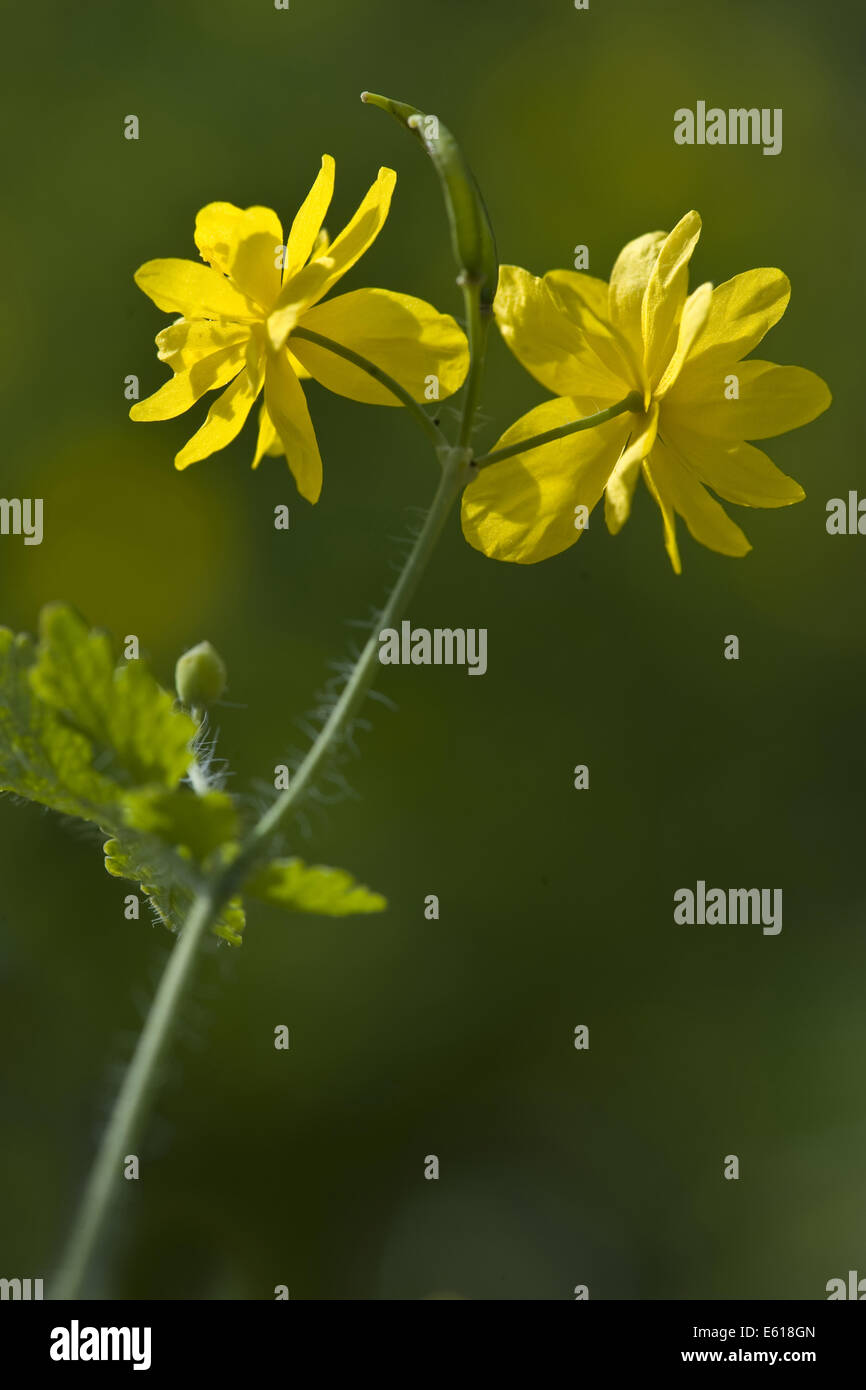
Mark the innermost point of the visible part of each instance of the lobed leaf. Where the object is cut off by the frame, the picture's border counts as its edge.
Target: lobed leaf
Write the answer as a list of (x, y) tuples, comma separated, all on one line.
[(41, 757), (106, 743), (133, 725)]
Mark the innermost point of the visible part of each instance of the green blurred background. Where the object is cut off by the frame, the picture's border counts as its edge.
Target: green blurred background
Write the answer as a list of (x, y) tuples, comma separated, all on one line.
[(453, 1037)]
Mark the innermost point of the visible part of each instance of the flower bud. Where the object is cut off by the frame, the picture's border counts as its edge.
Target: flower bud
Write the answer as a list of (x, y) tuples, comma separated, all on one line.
[(200, 676)]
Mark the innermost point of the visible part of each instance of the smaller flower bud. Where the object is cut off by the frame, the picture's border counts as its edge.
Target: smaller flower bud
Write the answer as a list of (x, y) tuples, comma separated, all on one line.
[(200, 676)]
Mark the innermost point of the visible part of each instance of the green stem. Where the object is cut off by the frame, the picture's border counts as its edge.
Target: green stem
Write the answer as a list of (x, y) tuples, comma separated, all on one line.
[(106, 1177), (633, 401), (429, 426), (478, 322), (454, 471)]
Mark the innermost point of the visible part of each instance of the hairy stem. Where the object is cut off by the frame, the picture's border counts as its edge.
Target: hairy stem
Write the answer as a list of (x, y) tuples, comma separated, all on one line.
[(454, 474), (138, 1084), (105, 1176), (633, 401)]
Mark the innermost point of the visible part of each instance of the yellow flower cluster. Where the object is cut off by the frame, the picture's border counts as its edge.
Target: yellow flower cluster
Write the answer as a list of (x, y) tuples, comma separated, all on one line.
[(590, 343), (241, 310)]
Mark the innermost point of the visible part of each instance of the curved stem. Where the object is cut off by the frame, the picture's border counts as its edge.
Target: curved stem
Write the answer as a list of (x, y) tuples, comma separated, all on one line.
[(367, 665), (431, 429), (131, 1103), (633, 401), (105, 1176)]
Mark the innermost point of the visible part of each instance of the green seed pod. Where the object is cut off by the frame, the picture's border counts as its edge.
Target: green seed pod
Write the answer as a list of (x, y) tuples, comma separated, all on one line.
[(471, 233), (200, 676)]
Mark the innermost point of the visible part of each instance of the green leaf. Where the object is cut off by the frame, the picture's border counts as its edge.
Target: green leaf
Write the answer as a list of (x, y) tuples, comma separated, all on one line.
[(133, 725), (41, 757), (76, 732), (107, 745), (292, 884), (177, 816)]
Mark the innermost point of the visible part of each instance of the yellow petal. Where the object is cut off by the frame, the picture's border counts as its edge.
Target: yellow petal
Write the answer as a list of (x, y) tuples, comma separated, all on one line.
[(245, 244), (320, 245), (549, 342), (669, 520), (225, 420), (298, 368), (641, 432), (628, 282), (308, 222), (188, 341), (254, 358), (406, 337), (694, 316), (359, 234), (523, 509), (736, 471), (619, 493), (314, 281), (678, 490), (585, 300), (591, 405), (185, 388), (742, 310), (268, 441), (665, 295), (286, 405), (591, 291), (772, 400), (196, 291)]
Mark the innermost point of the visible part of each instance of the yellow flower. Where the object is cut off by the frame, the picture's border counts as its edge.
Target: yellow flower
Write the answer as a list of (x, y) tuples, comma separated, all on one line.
[(591, 344), (241, 310)]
